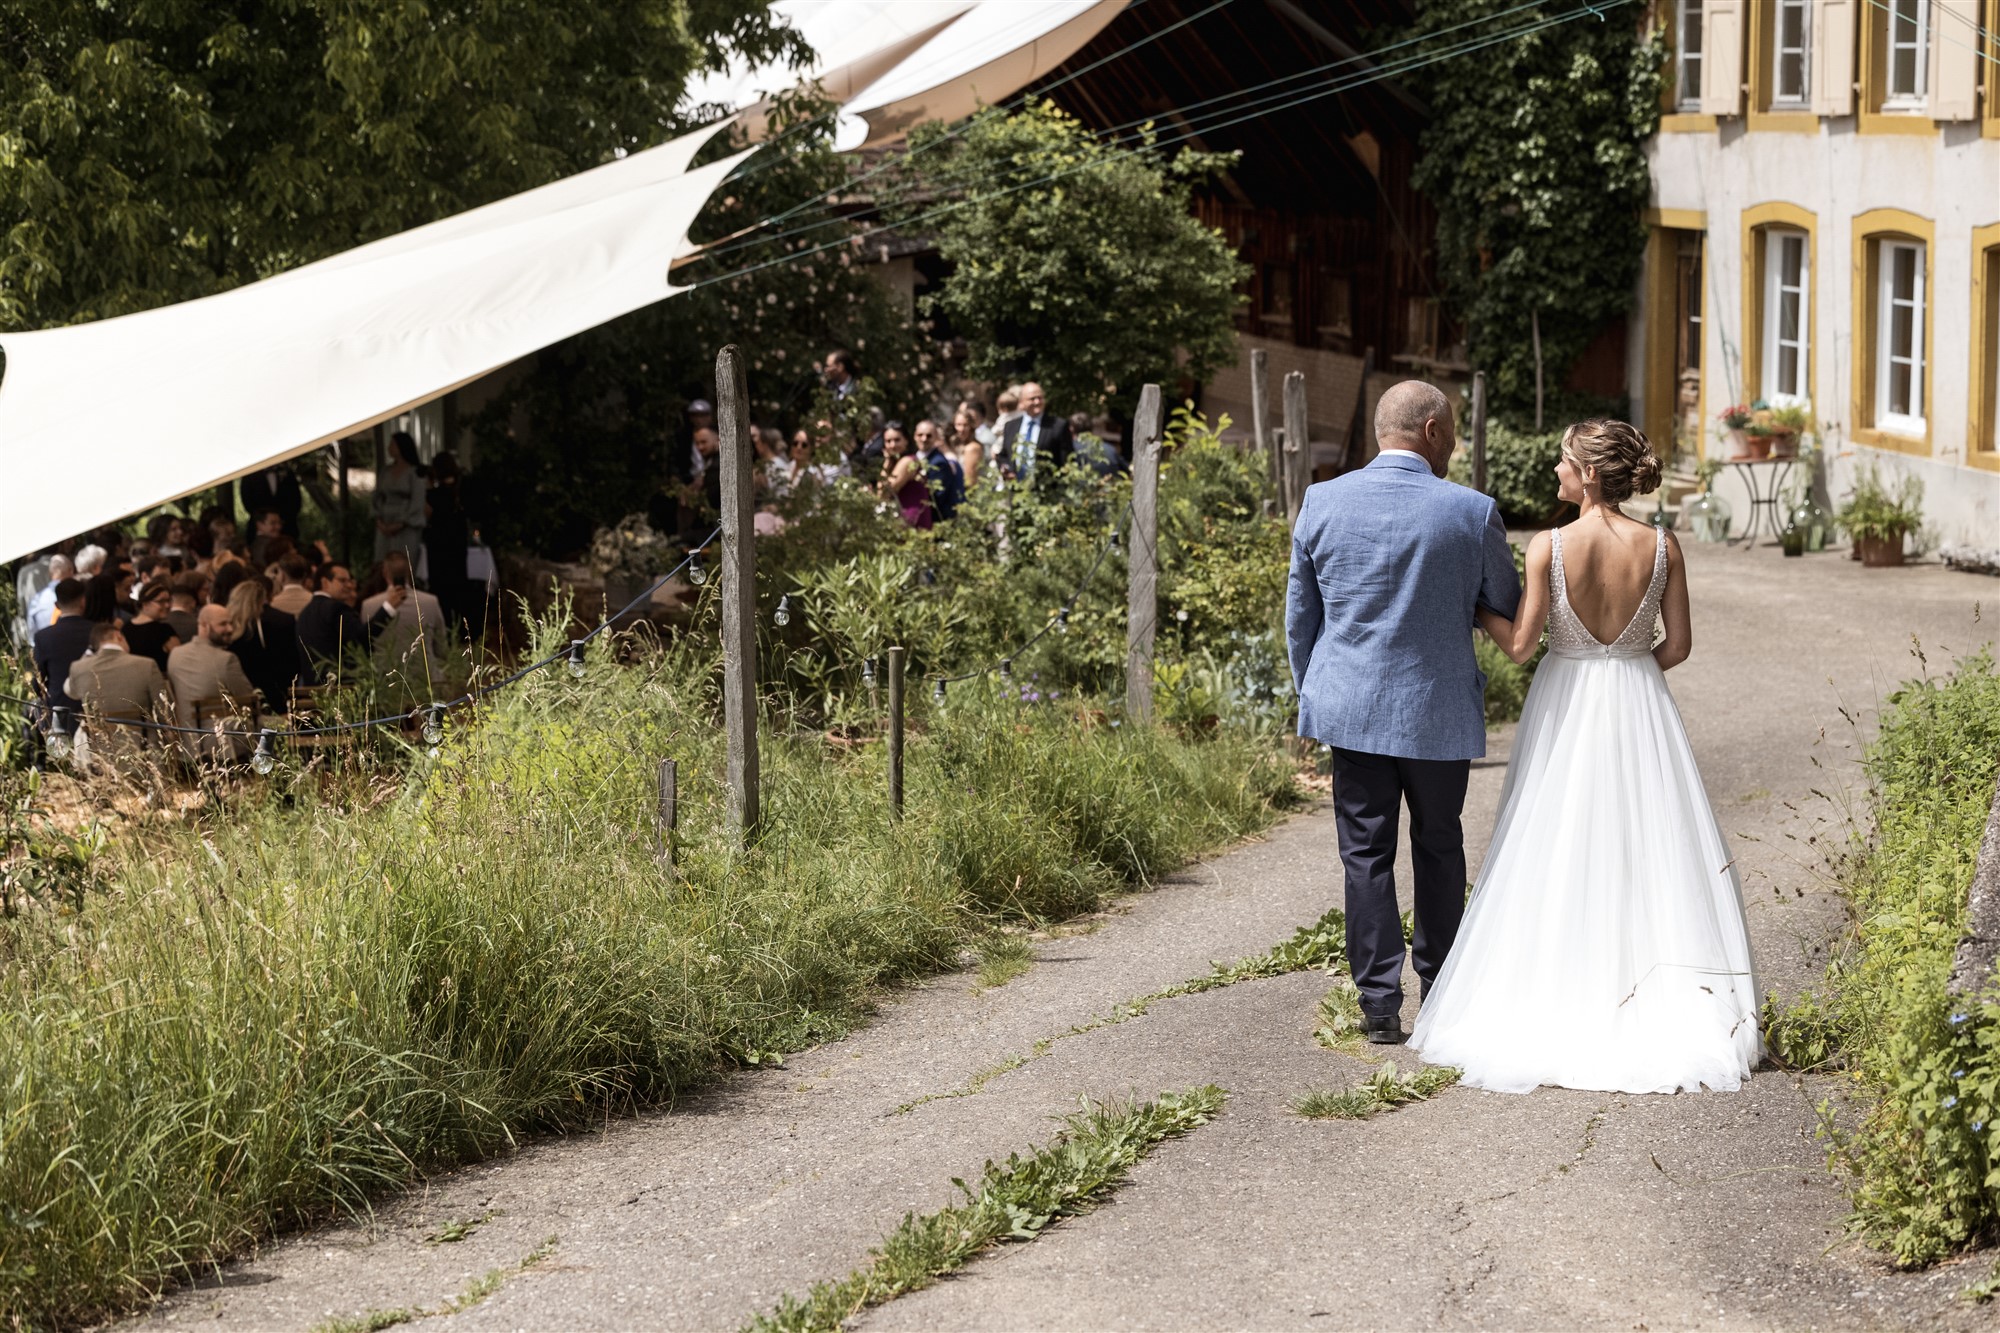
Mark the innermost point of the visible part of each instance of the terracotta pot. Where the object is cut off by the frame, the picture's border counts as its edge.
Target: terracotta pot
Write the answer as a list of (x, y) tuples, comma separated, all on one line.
[(1880, 552), (1755, 447), (1784, 444)]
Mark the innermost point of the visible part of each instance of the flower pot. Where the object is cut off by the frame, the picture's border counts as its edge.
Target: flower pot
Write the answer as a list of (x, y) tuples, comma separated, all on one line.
[(1784, 444), (1880, 552), (1755, 448)]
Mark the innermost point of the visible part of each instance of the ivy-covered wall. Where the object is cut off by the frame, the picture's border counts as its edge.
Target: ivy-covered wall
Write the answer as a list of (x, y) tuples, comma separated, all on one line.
[(1534, 160)]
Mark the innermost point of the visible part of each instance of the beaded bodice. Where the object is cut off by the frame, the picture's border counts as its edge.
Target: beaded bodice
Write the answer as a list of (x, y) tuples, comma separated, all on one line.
[(1568, 637)]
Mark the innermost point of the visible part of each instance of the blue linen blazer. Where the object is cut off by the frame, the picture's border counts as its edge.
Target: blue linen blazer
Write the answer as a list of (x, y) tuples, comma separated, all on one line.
[(1388, 564)]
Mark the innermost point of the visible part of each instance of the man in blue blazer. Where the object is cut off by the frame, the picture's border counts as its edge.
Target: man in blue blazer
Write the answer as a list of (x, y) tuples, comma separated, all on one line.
[(1388, 564)]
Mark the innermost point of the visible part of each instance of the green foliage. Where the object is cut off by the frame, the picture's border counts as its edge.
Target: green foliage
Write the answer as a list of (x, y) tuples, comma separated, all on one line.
[(1002, 958), (1340, 1019), (1925, 1166), (1015, 1200), (40, 862), (1534, 159), (1094, 279), (1385, 1090), (1520, 473), (1802, 1035), (161, 151), (1875, 511), (321, 996)]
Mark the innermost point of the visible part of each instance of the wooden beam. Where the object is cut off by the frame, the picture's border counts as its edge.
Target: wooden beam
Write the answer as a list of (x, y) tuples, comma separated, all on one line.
[(1142, 601), (739, 590)]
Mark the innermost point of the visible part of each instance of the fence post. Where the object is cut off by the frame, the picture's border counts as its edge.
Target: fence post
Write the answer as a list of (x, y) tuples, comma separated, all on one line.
[(1260, 418), (1142, 603), (667, 817), (1298, 446), (1479, 431), (739, 590), (896, 733)]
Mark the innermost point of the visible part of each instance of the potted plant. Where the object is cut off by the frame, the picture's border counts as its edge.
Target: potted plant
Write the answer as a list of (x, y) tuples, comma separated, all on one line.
[(1878, 519), (1788, 426), (1735, 419), (628, 558)]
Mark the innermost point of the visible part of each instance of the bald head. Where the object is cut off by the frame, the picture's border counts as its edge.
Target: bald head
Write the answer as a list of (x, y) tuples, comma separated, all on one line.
[(213, 623), (1416, 416)]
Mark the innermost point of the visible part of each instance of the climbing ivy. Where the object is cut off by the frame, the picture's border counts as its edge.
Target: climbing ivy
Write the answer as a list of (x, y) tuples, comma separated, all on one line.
[(1535, 162)]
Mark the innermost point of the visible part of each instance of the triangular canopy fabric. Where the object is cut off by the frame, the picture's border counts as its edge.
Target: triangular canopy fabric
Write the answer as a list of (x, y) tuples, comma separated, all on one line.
[(170, 401)]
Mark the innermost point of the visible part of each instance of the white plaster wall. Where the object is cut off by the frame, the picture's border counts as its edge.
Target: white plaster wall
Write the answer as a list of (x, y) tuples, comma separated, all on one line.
[(1951, 177)]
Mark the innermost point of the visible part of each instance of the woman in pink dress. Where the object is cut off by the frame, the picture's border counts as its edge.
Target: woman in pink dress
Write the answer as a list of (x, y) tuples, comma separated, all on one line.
[(903, 477)]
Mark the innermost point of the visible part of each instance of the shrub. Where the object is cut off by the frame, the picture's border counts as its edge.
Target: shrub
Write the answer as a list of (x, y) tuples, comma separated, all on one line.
[(1520, 473)]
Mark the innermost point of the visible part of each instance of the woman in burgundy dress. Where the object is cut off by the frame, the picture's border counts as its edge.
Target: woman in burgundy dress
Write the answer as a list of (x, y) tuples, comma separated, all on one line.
[(903, 477)]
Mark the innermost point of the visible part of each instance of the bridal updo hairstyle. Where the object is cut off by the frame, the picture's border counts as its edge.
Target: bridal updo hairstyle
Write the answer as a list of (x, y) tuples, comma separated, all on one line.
[(1618, 452)]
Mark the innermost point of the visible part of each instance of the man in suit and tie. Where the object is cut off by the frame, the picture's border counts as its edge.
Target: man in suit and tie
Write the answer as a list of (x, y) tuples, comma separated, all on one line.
[(206, 669), (329, 624), (1388, 565), (1037, 442)]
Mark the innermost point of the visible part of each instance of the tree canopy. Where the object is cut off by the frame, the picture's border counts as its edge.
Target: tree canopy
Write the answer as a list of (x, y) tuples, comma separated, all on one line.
[(1094, 276), (1535, 162), (159, 150)]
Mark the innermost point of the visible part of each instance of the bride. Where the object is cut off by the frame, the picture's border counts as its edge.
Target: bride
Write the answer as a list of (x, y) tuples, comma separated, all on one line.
[(1604, 946)]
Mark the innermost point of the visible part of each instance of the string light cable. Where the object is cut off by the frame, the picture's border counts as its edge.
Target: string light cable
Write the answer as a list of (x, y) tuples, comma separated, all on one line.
[(1187, 131)]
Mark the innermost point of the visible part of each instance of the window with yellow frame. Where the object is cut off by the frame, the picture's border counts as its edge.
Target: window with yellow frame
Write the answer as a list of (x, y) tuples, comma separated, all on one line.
[(1781, 66), (1895, 66), (1982, 445), (1892, 330), (1779, 295)]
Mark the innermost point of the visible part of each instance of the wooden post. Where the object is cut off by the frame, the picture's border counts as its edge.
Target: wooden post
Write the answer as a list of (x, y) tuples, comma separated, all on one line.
[(1298, 445), (1142, 602), (739, 589), (1260, 418), (896, 733), (667, 817), (1479, 430)]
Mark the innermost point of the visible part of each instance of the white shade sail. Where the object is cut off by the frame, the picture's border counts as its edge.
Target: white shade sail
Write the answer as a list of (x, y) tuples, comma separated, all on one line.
[(168, 401), (163, 403)]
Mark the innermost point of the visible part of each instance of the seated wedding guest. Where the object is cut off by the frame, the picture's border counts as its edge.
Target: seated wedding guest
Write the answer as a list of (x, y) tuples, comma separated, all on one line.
[(968, 440), (150, 633), (223, 582), (266, 641), (414, 640), (100, 598), (62, 645), (113, 679), (773, 466), (293, 594), (89, 561), (941, 470), (330, 625), (42, 610), (204, 668), (190, 590), (168, 534), (903, 477)]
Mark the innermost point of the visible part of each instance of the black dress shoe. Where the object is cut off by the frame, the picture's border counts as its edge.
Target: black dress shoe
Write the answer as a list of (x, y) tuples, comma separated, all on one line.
[(1383, 1029)]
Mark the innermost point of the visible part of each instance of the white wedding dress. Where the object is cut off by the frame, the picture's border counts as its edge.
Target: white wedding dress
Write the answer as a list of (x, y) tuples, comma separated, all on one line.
[(1604, 946)]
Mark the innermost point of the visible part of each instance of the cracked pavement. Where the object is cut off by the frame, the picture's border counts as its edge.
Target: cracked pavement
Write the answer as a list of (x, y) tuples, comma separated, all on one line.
[(1556, 1209)]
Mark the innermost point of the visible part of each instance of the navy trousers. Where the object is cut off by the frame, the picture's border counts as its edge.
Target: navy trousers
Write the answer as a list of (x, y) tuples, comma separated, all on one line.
[(1369, 791)]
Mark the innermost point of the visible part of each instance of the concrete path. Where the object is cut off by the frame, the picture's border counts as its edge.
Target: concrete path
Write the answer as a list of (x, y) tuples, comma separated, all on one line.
[(1557, 1209)]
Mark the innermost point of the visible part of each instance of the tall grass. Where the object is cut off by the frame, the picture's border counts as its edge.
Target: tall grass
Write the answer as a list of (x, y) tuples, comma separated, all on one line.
[(268, 1019)]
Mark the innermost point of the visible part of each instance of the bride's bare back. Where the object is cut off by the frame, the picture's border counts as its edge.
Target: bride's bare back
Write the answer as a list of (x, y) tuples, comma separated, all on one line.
[(1607, 567)]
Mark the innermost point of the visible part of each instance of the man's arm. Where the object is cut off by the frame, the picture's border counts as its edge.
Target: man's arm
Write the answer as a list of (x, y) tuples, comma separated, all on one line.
[(1499, 585), (1305, 611)]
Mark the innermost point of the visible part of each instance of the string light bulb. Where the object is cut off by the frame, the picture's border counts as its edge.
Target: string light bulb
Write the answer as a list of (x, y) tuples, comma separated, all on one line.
[(576, 658), (266, 757), (868, 672), (1062, 621), (1006, 668), (783, 615), (433, 725), (57, 740), (1114, 539), (697, 571), (937, 692)]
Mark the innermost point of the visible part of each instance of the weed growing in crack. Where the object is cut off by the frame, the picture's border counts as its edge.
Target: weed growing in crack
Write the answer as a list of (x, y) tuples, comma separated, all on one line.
[(477, 1290), (1339, 1017), (1013, 1200), (1385, 1090)]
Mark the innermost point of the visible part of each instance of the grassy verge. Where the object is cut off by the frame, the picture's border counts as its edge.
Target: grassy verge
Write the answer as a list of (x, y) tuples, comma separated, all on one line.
[(1924, 1161), (1014, 1200), (262, 1021)]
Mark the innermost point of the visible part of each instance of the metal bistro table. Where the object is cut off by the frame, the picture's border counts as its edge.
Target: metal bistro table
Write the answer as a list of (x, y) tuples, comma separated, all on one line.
[(1764, 499)]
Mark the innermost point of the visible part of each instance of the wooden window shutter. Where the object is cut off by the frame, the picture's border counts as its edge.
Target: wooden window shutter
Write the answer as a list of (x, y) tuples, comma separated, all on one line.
[(1722, 58), (1833, 41), (1955, 40)]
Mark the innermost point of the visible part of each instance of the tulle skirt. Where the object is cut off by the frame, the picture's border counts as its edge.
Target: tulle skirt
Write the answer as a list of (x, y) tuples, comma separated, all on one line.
[(1604, 946)]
